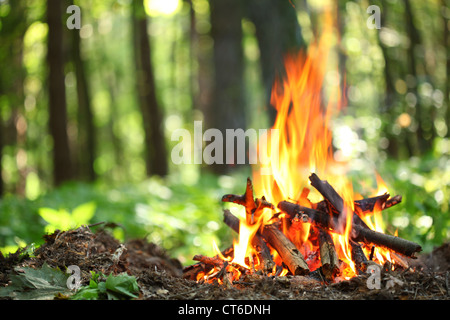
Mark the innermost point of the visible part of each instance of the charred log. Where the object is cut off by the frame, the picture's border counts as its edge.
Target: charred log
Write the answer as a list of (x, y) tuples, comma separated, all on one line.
[(257, 242), (360, 233), (290, 255), (328, 256)]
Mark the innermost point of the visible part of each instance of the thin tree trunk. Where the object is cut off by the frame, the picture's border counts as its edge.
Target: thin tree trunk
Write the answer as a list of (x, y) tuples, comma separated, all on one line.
[(2, 190), (415, 40), (155, 147), (227, 108), (193, 55), (86, 129), (278, 33), (62, 163), (390, 94), (446, 43)]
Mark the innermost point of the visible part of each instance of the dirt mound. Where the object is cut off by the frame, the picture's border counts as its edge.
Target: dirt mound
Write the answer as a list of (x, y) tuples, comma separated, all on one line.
[(160, 277)]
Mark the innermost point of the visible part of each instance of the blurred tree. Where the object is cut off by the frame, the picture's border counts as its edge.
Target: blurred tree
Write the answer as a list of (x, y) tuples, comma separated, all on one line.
[(389, 92), (278, 33), (152, 114), (2, 183), (414, 68), (86, 130), (12, 31), (227, 108), (62, 162), (445, 12)]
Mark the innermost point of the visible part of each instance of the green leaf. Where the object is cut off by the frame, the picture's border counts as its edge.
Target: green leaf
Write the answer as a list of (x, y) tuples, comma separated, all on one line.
[(36, 284), (86, 293), (84, 213), (57, 219), (122, 286)]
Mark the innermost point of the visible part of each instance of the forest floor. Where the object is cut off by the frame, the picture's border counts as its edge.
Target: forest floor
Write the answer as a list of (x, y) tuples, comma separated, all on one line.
[(160, 277)]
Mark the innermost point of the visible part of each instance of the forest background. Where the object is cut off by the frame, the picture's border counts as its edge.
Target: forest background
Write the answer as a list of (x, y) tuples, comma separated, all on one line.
[(86, 115)]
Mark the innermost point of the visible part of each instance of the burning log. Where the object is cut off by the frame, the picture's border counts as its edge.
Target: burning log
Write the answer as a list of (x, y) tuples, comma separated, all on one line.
[(247, 200), (330, 195), (257, 242), (392, 201), (359, 232), (397, 244), (205, 264), (328, 255), (317, 218), (214, 261), (368, 205), (290, 255), (358, 257)]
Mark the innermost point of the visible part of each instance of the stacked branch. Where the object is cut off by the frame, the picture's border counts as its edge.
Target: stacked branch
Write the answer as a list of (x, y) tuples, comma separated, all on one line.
[(360, 231), (290, 255), (257, 242), (328, 255)]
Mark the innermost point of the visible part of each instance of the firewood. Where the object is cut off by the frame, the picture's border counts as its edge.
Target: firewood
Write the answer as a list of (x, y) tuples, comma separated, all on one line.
[(329, 194), (257, 242), (359, 233), (382, 202), (358, 257), (190, 272), (290, 255), (318, 218), (328, 256), (397, 244), (251, 205), (245, 200), (393, 201), (214, 261)]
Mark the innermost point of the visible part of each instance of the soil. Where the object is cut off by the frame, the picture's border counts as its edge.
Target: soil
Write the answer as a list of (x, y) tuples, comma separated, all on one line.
[(160, 277)]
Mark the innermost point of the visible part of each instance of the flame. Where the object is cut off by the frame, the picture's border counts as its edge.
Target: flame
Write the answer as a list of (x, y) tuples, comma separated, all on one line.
[(304, 145), (305, 141), (242, 249), (374, 221)]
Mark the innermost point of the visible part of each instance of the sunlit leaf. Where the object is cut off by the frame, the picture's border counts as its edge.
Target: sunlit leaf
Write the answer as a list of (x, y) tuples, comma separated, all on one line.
[(84, 213)]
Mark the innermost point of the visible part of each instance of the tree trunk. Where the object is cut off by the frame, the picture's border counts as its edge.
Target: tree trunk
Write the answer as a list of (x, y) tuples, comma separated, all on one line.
[(62, 164), (420, 115), (155, 147), (446, 43), (86, 129), (278, 33), (14, 26), (227, 109), (2, 190), (390, 94)]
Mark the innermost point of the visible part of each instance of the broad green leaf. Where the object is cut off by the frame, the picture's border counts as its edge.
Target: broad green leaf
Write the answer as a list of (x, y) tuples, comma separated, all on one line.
[(122, 286), (84, 213), (36, 284), (57, 219), (86, 293)]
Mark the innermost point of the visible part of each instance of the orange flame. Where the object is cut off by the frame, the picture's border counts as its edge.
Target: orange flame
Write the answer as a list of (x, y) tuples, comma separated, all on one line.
[(304, 137), (303, 124)]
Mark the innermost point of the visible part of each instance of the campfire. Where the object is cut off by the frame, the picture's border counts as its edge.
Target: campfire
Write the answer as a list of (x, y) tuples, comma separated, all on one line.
[(308, 220)]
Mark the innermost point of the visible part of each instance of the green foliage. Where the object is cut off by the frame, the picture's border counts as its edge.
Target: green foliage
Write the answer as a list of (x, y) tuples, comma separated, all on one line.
[(36, 284), (181, 217), (423, 216), (63, 220), (112, 287)]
